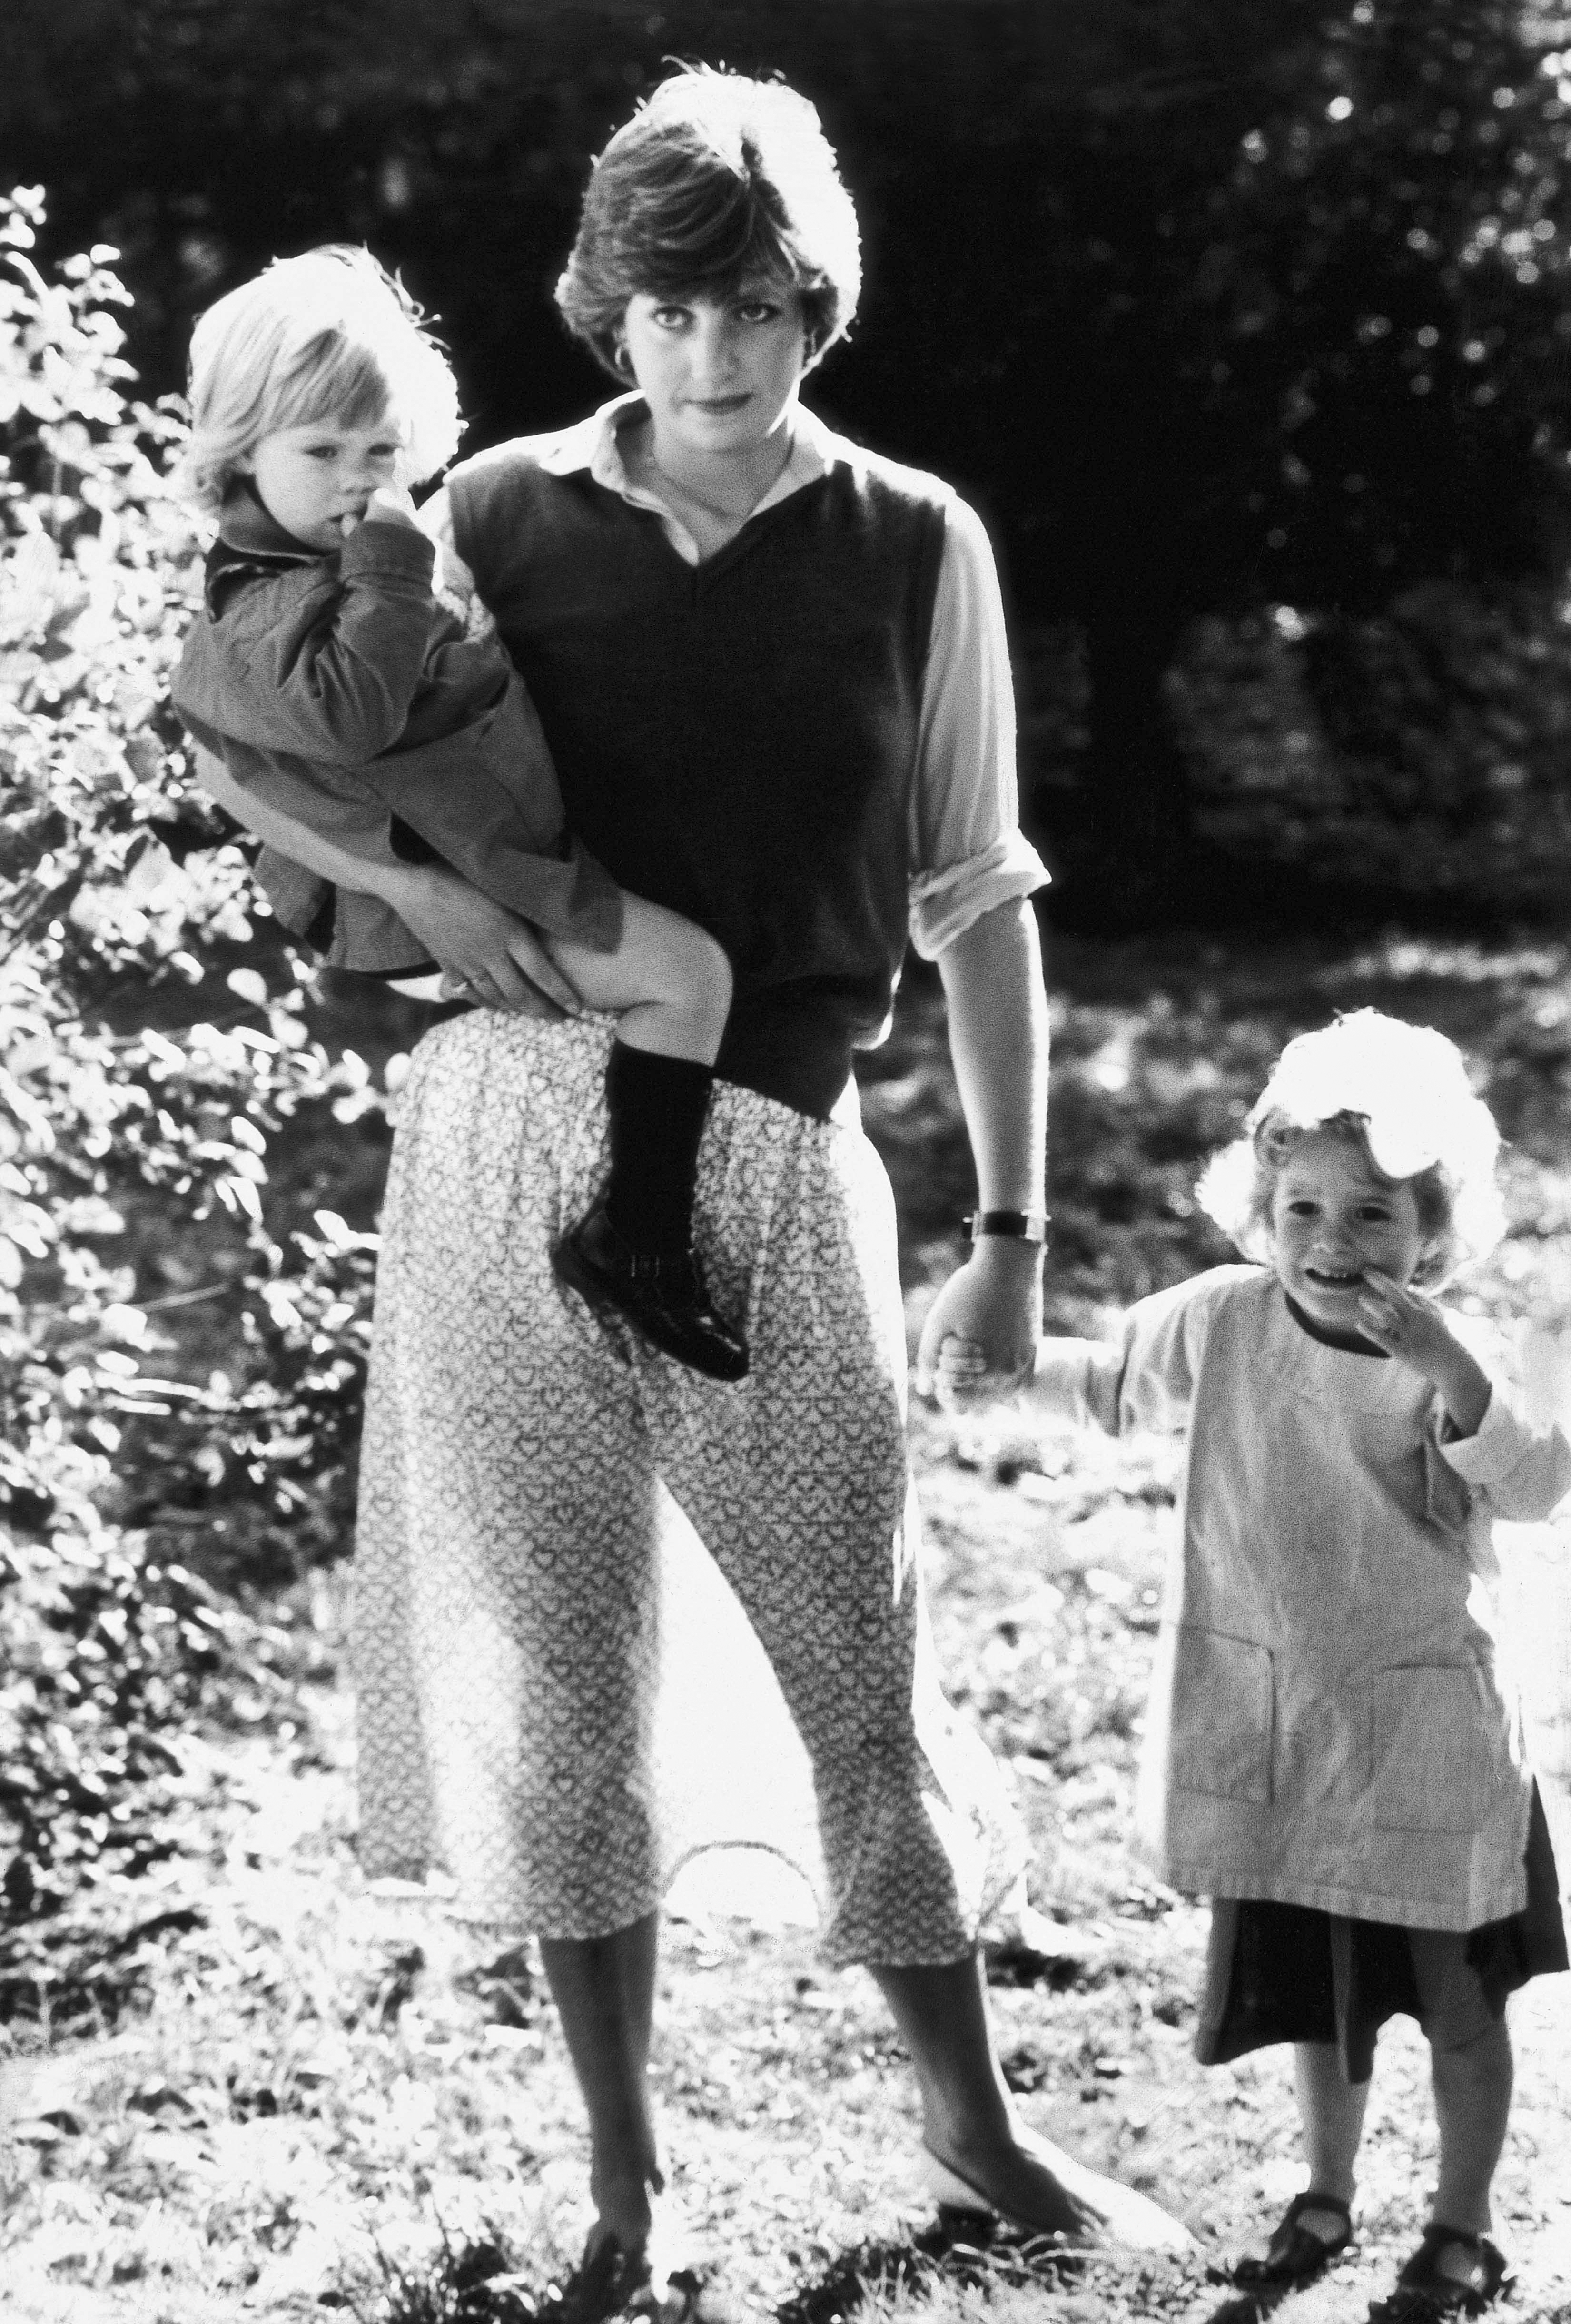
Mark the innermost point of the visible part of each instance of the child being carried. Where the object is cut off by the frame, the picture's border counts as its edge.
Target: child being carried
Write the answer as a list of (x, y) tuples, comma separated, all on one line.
[(343, 687)]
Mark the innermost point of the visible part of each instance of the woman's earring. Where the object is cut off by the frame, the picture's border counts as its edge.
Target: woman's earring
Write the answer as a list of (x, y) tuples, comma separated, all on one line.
[(622, 360)]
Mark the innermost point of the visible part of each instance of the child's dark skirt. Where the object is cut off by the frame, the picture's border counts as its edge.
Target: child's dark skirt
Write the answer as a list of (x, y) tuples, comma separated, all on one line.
[(1292, 1973)]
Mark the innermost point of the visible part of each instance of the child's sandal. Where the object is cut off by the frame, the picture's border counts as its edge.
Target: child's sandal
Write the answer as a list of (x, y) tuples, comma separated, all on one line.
[(1296, 2254), (1423, 2292), (690, 2296)]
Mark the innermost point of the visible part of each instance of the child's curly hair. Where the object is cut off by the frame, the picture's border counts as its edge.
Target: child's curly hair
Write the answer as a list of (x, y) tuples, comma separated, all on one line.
[(328, 335), (1398, 1093)]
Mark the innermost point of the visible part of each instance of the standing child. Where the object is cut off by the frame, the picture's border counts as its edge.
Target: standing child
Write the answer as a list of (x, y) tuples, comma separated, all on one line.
[(1334, 1755), (340, 687)]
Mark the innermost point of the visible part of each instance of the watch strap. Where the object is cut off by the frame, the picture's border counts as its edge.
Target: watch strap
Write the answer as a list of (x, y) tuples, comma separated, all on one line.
[(1019, 1226)]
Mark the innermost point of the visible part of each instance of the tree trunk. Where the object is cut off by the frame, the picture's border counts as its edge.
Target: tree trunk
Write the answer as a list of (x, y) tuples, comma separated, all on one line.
[(1123, 842)]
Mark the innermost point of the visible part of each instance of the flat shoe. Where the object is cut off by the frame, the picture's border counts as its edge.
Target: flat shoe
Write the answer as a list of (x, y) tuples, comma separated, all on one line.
[(1296, 2254), (1423, 2292), (1131, 2219)]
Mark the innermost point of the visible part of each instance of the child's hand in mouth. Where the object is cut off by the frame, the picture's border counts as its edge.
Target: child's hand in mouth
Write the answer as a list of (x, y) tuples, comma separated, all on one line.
[(386, 505)]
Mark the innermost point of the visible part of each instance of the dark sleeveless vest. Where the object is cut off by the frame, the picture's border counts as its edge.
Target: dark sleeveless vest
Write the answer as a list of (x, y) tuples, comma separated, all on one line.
[(736, 741)]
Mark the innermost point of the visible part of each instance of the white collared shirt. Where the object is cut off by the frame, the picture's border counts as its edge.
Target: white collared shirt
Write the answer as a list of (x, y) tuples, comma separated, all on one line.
[(967, 850)]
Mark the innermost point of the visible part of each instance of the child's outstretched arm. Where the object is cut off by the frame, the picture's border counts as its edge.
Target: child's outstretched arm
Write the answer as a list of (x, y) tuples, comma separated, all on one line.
[(1143, 1379), (1078, 1381)]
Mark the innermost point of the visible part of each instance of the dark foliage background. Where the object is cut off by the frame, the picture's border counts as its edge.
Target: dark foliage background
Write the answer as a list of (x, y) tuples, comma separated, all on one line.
[(1211, 308)]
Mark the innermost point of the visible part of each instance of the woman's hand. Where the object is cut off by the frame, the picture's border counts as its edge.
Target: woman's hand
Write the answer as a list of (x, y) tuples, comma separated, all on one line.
[(485, 951), (1411, 1328), (980, 1339)]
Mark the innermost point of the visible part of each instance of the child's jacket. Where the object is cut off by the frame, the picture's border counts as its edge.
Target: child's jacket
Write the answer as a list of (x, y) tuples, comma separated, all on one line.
[(344, 694), (1328, 1726)]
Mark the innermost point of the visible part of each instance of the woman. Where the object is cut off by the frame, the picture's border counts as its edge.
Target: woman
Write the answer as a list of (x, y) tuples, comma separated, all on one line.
[(771, 671)]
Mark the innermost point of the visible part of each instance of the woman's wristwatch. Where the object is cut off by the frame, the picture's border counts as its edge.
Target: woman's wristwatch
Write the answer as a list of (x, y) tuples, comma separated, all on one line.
[(1016, 1226)]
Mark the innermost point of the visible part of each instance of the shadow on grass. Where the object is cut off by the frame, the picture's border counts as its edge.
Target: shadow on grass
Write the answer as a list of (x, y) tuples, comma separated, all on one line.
[(79, 1974), (484, 2281), (1252, 2307), (961, 2248), (467, 2282)]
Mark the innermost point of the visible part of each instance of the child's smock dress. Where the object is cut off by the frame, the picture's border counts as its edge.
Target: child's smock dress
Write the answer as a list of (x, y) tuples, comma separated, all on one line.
[(1332, 1723)]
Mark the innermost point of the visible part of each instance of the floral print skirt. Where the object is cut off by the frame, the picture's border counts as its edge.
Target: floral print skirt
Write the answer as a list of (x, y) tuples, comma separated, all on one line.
[(608, 1613)]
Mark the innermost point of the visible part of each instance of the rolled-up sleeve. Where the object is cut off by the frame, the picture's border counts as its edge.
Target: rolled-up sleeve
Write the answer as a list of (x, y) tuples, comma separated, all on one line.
[(968, 852), (1525, 1471)]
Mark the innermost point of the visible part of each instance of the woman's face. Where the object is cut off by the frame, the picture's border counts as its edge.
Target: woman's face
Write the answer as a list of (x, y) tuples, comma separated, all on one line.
[(718, 375)]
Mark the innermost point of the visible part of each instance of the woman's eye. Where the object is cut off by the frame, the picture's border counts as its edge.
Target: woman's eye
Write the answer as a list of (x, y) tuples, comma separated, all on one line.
[(757, 310), (669, 318)]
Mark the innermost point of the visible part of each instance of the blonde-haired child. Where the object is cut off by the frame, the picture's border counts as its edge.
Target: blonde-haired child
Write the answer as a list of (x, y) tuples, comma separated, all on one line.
[(342, 687), (1334, 1755)]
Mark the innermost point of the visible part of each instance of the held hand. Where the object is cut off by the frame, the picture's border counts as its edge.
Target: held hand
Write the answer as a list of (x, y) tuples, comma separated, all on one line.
[(1410, 1328), (486, 953), (388, 504), (979, 1342)]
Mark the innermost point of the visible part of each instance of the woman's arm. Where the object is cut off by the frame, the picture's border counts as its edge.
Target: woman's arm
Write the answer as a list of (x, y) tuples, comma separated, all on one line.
[(972, 872), (495, 955), (967, 850), (998, 1040)]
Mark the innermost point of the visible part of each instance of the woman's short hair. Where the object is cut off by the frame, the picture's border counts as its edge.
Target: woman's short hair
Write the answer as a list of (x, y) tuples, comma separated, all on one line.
[(1396, 1092), (717, 179), (329, 335)]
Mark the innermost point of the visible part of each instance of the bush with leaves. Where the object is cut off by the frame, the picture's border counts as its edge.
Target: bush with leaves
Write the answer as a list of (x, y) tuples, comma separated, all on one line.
[(122, 898), (1418, 752)]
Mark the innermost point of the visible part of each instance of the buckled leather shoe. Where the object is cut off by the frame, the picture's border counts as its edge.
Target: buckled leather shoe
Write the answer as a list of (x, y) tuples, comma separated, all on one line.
[(663, 1296)]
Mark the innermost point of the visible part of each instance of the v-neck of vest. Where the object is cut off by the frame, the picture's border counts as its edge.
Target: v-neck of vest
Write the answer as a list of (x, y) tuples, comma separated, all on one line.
[(742, 542)]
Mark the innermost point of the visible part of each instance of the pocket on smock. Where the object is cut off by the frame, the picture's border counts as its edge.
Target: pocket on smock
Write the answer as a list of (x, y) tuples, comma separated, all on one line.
[(1430, 1767), (1222, 1708)]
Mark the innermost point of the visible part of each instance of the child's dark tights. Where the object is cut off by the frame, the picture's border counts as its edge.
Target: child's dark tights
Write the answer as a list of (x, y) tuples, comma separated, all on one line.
[(658, 1107)]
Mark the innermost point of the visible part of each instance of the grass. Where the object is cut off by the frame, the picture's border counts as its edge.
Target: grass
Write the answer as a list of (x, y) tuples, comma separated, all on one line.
[(330, 2102)]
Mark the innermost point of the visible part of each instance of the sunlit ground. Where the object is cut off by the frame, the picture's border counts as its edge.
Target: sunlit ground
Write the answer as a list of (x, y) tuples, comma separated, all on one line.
[(324, 2084)]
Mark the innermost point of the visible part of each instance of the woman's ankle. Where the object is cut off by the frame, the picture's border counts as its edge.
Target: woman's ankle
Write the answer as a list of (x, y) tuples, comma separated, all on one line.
[(962, 2145)]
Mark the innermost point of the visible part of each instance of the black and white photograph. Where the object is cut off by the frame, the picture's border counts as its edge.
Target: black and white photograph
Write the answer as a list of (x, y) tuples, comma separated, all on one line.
[(785, 1161)]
